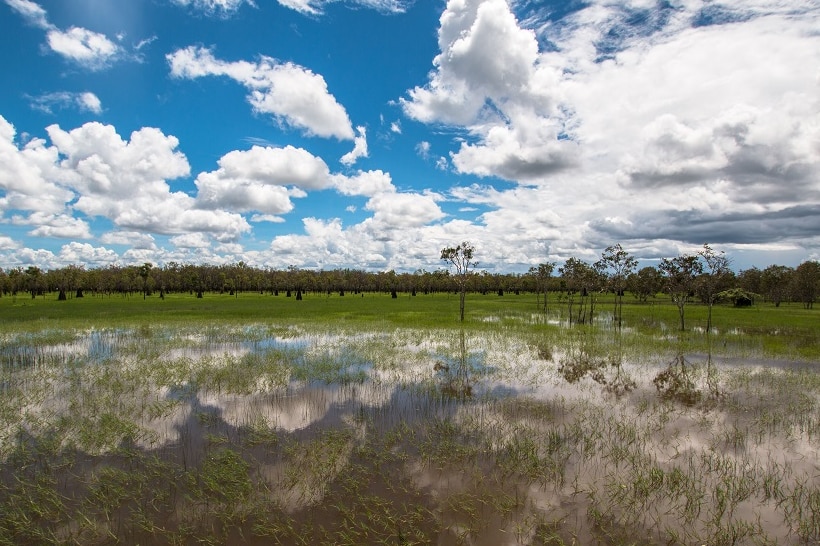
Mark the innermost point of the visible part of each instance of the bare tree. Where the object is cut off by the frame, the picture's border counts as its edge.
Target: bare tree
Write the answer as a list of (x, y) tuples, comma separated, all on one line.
[(679, 275), (460, 257)]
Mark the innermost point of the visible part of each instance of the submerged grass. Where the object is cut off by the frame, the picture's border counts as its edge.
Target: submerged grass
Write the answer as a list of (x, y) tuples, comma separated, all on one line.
[(367, 420)]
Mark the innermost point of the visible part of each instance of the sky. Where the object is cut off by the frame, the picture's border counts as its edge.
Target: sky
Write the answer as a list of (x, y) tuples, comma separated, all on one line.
[(370, 134)]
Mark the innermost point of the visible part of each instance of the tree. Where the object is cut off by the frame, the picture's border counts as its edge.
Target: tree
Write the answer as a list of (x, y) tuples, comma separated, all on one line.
[(460, 257), (716, 272), (775, 281), (751, 280), (35, 278), (542, 275), (618, 265), (646, 283), (584, 279), (679, 275), (145, 272), (807, 282)]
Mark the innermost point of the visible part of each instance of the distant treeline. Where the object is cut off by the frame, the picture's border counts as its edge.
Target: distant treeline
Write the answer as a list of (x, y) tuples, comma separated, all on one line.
[(576, 278)]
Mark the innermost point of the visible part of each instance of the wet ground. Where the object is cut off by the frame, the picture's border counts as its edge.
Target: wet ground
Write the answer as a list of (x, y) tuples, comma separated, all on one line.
[(269, 434)]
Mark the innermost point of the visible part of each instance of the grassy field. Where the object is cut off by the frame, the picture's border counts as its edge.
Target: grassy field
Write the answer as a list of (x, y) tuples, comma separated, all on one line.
[(371, 420), (788, 331)]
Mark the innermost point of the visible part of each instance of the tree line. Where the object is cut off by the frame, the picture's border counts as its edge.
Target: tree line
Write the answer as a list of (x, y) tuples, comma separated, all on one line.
[(704, 276)]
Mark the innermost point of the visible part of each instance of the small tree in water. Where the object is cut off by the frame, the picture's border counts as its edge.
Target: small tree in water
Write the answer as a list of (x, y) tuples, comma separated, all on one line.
[(618, 265), (679, 277), (461, 257), (717, 269)]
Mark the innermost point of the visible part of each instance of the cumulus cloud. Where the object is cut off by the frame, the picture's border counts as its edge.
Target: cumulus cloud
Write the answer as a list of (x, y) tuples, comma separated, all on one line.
[(292, 94), (694, 113), (134, 239), (86, 254), (85, 102), (85, 47), (261, 179), (29, 175), (63, 226), (403, 210), (367, 183), (359, 148), (7, 243), (489, 79), (191, 240), (92, 170)]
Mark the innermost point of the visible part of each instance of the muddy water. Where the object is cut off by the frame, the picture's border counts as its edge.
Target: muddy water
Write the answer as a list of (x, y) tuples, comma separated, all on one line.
[(265, 435)]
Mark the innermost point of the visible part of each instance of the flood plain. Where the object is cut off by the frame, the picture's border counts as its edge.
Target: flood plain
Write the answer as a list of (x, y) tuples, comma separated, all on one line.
[(271, 433)]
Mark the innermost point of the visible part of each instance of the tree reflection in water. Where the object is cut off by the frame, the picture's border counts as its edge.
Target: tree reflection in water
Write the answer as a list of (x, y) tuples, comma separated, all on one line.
[(606, 370), (678, 380), (455, 377)]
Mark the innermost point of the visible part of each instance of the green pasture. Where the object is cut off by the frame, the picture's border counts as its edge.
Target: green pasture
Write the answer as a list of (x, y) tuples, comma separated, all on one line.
[(787, 331)]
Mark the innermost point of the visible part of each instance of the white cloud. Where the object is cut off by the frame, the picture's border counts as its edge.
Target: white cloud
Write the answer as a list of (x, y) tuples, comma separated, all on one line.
[(91, 169), (315, 7), (28, 175), (267, 218), (367, 183), (89, 101), (359, 148), (191, 240), (55, 225), (403, 210), (258, 180), (396, 127), (423, 149), (31, 11), (7, 243), (684, 119), (85, 101), (133, 239), (292, 94), (488, 79), (85, 47), (86, 254), (224, 7)]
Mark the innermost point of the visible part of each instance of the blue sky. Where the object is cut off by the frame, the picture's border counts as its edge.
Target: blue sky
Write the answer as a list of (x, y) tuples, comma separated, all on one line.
[(372, 133)]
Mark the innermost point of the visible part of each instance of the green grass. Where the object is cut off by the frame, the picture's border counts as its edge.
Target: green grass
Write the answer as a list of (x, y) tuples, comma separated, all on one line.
[(788, 331)]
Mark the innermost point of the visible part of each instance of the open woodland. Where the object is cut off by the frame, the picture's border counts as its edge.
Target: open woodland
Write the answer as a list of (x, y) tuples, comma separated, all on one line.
[(216, 405)]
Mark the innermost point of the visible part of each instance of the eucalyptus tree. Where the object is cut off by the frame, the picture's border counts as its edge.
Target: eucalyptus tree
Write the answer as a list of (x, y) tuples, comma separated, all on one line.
[(583, 279), (680, 275), (645, 284), (34, 276), (807, 283), (542, 275), (461, 258), (617, 265), (751, 280), (716, 269), (145, 273), (775, 282)]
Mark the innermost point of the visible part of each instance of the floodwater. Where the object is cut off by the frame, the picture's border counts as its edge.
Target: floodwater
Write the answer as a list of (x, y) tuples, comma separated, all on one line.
[(269, 434)]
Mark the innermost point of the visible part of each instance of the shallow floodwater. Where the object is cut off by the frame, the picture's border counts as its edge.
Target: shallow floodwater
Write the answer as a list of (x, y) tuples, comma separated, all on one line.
[(274, 434)]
